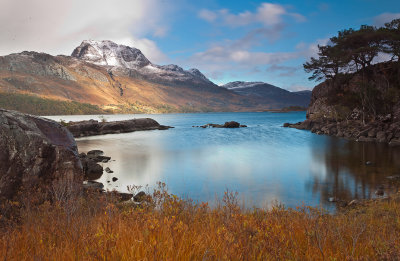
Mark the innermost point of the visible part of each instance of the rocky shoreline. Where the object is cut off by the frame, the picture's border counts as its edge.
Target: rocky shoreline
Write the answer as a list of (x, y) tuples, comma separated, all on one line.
[(384, 131), (94, 127), (38, 153)]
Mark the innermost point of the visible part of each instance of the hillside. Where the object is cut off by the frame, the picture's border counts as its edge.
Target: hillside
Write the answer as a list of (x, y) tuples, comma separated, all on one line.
[(345, 107), (266, 93), (119, 79), (42, 106)]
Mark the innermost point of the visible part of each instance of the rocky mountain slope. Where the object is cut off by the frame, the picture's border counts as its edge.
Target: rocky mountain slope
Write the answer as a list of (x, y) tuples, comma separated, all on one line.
[(267, 93), (118, 78)]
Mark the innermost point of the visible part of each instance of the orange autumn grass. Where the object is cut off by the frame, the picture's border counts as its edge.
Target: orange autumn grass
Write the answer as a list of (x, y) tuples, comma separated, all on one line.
[(166, 227)]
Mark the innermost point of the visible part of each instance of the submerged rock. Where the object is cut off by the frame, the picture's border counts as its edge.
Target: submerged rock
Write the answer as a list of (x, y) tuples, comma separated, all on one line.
[(34, 152)]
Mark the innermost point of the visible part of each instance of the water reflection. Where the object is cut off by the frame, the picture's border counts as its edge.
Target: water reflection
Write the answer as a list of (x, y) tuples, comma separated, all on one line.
[(346, 172), (263, 162)]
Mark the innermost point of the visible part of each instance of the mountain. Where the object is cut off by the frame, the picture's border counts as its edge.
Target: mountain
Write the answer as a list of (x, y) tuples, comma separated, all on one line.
[(114, 78), (125, 60), (266, 93)]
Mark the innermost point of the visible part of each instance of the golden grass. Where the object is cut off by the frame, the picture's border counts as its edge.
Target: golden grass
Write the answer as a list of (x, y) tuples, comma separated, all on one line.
[(166, 227)]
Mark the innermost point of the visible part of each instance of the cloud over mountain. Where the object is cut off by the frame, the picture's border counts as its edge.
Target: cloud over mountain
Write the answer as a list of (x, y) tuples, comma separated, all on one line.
[(56, 26)]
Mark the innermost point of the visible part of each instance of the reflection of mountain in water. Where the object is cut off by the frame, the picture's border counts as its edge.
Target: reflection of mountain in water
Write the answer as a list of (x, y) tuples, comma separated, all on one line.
[(347, 176)]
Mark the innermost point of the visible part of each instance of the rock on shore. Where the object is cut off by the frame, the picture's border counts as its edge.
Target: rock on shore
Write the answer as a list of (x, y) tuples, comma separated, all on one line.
[(354, 130), (93, 127), (34, 152)]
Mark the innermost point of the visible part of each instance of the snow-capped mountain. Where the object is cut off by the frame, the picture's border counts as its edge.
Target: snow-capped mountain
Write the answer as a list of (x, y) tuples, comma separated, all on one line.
[(264, 92), (123, 59), (110, 53)]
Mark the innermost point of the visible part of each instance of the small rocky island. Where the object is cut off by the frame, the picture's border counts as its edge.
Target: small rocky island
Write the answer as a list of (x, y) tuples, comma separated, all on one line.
[(228, 124), (94, 127)]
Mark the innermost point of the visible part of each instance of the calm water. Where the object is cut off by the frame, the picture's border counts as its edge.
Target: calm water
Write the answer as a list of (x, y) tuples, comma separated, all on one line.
[(264, 162)]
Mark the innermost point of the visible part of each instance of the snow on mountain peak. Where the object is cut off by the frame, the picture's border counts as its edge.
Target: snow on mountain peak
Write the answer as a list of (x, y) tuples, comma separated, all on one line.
[(109, 53), (240, 85)]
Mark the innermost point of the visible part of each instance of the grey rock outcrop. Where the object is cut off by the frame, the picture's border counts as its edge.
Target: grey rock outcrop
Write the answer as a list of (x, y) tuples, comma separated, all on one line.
[(93, 127), (34, 152), (228, 124)]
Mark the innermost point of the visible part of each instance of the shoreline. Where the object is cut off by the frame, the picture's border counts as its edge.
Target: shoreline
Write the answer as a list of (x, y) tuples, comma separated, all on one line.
[(379, 131)]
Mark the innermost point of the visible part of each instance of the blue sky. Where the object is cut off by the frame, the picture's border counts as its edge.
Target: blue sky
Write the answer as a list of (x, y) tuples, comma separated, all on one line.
[(226, 40)]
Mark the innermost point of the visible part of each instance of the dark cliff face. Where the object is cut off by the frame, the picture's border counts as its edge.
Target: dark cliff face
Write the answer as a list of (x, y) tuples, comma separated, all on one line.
[(363, 106), (374, 92), (34, 152)]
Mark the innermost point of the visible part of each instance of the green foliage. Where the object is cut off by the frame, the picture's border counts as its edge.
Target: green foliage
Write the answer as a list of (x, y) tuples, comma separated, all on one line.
[(354, 50), (42, 106), (346, 64), (392, 40)]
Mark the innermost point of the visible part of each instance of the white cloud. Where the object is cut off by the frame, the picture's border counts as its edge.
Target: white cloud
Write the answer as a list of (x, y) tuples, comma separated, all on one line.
[(148, 47), (267, 14), (207, 15), (381, 19), (311, 50), (220, 60), (297, 88), (57, 26)]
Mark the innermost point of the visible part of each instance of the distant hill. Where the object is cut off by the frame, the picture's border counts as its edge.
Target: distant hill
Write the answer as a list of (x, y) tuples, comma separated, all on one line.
[(120, 79), (265, 93)]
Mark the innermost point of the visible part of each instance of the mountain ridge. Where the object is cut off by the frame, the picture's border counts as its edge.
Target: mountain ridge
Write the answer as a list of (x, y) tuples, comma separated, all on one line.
[(120, 79), (262, 91)]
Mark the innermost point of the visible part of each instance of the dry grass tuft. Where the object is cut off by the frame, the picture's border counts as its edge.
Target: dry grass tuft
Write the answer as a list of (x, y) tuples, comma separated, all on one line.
[(166, 227)]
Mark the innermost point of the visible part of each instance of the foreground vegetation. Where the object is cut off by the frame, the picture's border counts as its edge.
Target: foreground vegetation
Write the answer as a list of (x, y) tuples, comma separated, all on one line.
[(165, 227), (41, 106)]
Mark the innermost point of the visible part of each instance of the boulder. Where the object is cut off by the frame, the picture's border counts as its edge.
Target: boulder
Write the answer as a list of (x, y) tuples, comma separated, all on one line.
[(91, 169), (232, 124), (124, 196), (95, 153), (139, 197), (34, 152), (93, 185)]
